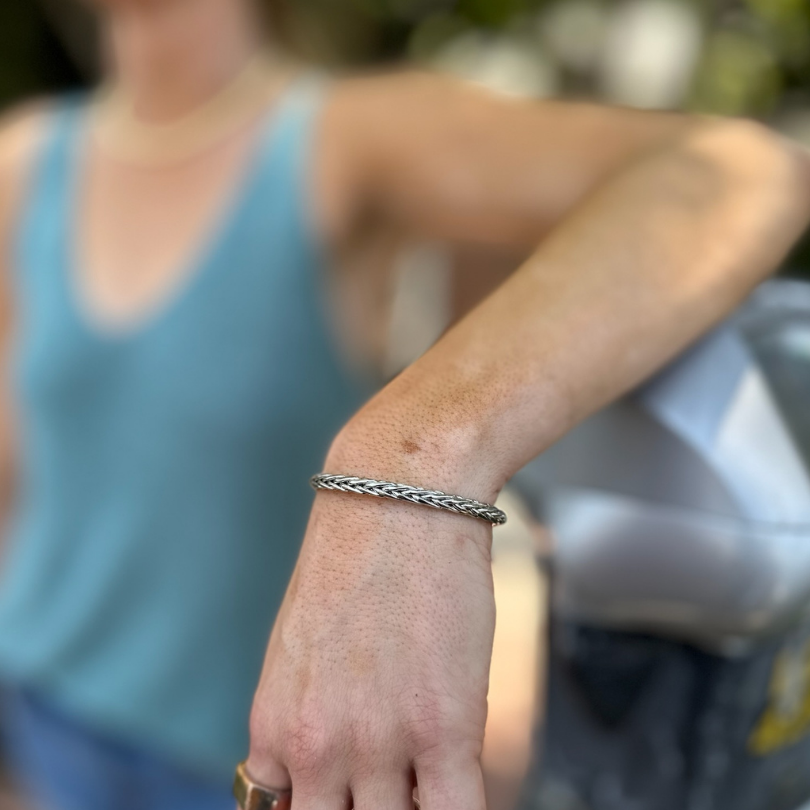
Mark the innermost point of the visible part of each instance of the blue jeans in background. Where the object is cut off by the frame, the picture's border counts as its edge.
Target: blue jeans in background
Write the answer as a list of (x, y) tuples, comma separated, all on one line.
[(62, 765)]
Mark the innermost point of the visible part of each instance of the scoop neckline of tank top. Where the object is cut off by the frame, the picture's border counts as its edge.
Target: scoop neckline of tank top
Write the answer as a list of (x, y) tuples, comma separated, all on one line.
[(197, 265)]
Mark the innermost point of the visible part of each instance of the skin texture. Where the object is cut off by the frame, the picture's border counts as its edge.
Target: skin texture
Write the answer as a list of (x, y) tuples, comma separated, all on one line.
[(641, 231)]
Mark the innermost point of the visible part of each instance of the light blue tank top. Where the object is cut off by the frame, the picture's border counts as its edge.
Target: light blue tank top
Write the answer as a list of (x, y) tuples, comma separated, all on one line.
[(164, 470)]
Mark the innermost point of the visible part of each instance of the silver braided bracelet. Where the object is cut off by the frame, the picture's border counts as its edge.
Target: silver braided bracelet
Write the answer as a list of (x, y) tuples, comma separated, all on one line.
[(404, 492)]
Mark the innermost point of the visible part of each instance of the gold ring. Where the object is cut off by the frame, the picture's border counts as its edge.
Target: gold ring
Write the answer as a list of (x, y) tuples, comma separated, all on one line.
[(252, 796)]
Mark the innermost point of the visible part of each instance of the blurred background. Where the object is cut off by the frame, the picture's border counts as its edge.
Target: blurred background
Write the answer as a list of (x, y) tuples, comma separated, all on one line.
[(730, 57)]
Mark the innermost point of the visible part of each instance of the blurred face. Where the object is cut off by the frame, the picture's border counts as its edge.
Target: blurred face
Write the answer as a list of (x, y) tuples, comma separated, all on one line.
[(111, 5), (166, 42)]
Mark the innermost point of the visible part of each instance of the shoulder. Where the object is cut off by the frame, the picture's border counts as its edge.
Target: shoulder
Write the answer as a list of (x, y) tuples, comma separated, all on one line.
[(419, 101), (379, 127), (21, 133), (402, 127)]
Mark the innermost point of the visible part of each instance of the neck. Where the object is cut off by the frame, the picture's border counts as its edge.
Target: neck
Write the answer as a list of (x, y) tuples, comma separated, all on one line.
[(171, 56)]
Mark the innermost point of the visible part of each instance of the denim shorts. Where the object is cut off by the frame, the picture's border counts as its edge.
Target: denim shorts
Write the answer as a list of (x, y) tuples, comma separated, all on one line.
[(60, 764)]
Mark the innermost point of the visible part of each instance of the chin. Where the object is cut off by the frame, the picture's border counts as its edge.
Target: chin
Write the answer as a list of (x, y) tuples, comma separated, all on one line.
[(104, 4), (116, 4), (108, 4)]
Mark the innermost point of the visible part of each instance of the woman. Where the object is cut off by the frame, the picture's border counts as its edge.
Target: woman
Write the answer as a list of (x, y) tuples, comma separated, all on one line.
[(176, 385)]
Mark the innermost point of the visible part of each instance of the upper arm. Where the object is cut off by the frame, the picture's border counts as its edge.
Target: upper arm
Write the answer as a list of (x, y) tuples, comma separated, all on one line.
[(20, 133), (453, 161)]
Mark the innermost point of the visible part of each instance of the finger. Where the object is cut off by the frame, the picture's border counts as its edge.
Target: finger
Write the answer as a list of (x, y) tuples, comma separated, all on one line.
[(388, 790), (318, 772), (305, 799), (267, 771), (450, 785)]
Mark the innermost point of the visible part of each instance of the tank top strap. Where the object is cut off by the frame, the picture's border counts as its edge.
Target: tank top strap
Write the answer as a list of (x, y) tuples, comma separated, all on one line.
[(285, 160), (287, 137), (46, 202)]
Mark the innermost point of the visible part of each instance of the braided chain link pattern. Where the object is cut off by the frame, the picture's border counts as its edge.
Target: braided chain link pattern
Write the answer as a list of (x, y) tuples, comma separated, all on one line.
[(404, 492)]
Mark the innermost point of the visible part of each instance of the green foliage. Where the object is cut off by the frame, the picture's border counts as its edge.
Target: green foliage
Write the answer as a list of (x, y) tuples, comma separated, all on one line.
[(434, 32), (739, 76), (786, 24), (490, 14)]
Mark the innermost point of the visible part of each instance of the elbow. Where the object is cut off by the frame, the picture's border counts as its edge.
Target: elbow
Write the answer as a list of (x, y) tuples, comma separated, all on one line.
[(745, 191), (755, 160)]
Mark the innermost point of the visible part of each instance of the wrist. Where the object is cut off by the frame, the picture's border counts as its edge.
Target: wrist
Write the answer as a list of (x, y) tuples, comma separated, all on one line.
[(426, 445)]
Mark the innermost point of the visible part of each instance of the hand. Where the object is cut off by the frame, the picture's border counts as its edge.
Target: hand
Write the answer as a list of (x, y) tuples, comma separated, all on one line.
[(377, 669)]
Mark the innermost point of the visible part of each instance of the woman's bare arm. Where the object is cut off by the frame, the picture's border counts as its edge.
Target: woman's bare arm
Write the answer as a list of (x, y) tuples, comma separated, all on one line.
[(377, 668), (447, 160)]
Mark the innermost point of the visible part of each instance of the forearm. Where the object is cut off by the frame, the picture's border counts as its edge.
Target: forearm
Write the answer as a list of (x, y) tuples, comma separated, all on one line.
[(646, 264), (377, 668)]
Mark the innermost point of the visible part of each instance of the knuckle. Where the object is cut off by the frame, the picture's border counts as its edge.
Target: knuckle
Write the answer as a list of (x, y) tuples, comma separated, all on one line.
[(372, 745), (308, 748), (757, 152), (259, 727), (440, 728), (426, 735), (429, 726)]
